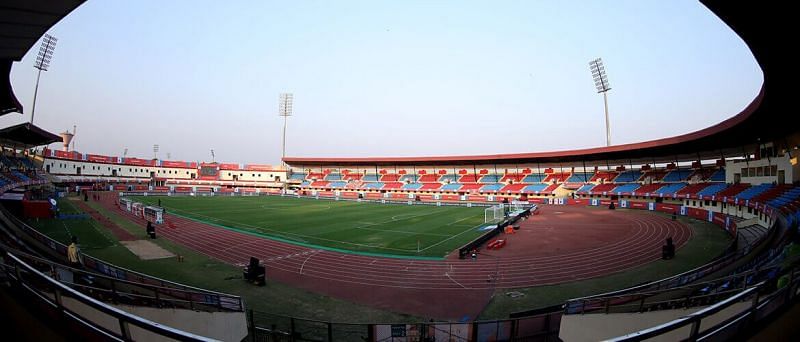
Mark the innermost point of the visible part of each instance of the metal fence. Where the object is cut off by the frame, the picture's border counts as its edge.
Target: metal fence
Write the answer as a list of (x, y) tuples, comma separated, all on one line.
[(54, 294)]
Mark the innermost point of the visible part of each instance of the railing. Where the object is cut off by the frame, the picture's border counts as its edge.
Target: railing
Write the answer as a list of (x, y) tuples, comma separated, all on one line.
[(120, 290), (759, 309), (53, 293), (195, 295), (696, 294)]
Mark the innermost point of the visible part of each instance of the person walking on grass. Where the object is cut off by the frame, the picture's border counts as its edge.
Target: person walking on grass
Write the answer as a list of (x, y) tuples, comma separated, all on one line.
[(73, 253)]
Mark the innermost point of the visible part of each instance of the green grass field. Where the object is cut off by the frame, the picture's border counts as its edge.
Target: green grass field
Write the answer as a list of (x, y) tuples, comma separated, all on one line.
[(281, 299), (91, 234), (387, 229)]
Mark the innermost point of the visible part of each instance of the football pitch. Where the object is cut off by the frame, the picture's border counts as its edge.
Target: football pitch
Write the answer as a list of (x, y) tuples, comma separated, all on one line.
[(386, 229)]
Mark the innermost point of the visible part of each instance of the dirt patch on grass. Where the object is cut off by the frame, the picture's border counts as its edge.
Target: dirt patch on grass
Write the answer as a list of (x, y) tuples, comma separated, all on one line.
[(147, 250)]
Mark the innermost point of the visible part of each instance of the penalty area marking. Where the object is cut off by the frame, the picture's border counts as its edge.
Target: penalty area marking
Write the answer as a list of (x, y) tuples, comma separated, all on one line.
[(440, 242)]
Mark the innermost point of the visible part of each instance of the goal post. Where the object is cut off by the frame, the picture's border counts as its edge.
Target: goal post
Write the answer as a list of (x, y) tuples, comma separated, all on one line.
[(494, 214)]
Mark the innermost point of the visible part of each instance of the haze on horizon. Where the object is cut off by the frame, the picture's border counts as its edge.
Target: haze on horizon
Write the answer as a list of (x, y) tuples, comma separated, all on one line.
[(412, 78)]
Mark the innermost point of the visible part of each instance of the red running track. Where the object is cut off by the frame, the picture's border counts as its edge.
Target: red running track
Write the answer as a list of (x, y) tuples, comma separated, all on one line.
[(563, 244)]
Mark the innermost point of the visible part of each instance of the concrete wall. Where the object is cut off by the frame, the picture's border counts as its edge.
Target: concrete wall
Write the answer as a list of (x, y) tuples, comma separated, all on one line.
[(782, 163), (70, 167), (225, 326)]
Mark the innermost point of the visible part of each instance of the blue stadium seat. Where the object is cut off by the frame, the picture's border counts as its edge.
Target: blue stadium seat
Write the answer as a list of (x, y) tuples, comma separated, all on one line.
[(333, 177), (533, 178), (676, 176), (491, 178), (585, 188), (370, 178), (412, 186), (718, 176), (626, 187), (373, 185), (451, 187), (628, 176), (27, 163), (337, 184), (580, 177), (298, 176), (753, 191), (21, 176), (492, 187), (712, 189), (670, 189), (534, 188)]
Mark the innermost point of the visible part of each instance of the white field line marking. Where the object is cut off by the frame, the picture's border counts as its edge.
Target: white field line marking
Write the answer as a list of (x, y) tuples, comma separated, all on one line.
[(459, 234)]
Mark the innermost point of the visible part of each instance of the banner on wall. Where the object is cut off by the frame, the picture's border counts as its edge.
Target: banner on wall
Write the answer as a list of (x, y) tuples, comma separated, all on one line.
[(595, 202), (490, 198), (623, 203), (710, 216), (437, 196), (651, 206), (683, 210)]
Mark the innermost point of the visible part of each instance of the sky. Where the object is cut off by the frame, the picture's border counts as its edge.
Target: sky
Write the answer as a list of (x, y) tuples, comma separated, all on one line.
[(381, 78)]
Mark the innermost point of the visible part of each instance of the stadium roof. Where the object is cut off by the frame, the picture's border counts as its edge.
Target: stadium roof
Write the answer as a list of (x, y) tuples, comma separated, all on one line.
[(22, 23), (26, 135), (766, 119)]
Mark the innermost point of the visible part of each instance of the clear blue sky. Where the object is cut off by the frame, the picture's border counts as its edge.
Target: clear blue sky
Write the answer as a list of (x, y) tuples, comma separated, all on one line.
[(382, 78)]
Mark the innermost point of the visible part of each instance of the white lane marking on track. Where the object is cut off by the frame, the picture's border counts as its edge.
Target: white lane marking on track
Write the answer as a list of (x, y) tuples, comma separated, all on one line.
[(451, 278), (305, 261)]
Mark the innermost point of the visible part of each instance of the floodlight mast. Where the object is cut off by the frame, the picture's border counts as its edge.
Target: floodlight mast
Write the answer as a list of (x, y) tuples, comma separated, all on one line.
[(42, 63), (602, 85), (285, 110)]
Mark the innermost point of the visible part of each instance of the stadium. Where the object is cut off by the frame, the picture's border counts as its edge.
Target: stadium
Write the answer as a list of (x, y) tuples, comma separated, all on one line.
[(690, 237)]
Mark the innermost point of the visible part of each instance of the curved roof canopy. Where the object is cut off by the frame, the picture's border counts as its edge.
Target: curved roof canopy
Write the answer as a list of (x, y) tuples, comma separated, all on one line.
[(22, 23)]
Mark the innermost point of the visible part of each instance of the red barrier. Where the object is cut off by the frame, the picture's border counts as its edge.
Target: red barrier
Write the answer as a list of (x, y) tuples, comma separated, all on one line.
[(36, 209)]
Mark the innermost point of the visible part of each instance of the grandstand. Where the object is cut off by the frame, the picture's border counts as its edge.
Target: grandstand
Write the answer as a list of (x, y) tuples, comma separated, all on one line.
[(353, 223)]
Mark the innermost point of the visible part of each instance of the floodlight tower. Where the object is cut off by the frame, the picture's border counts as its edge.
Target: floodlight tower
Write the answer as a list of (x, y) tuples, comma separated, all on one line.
[(155, 151), (602, 85), (42, 63), (285, 110), (213, 157)]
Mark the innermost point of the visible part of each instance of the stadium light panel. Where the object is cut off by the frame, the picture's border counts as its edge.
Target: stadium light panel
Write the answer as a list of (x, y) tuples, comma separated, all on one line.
[(601, 84)]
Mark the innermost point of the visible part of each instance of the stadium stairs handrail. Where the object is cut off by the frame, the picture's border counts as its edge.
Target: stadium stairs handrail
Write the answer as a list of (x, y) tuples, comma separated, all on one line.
[(58, 291)]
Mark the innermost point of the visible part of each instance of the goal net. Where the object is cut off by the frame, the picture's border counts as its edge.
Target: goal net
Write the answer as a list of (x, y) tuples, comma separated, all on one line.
[(494, 214)]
